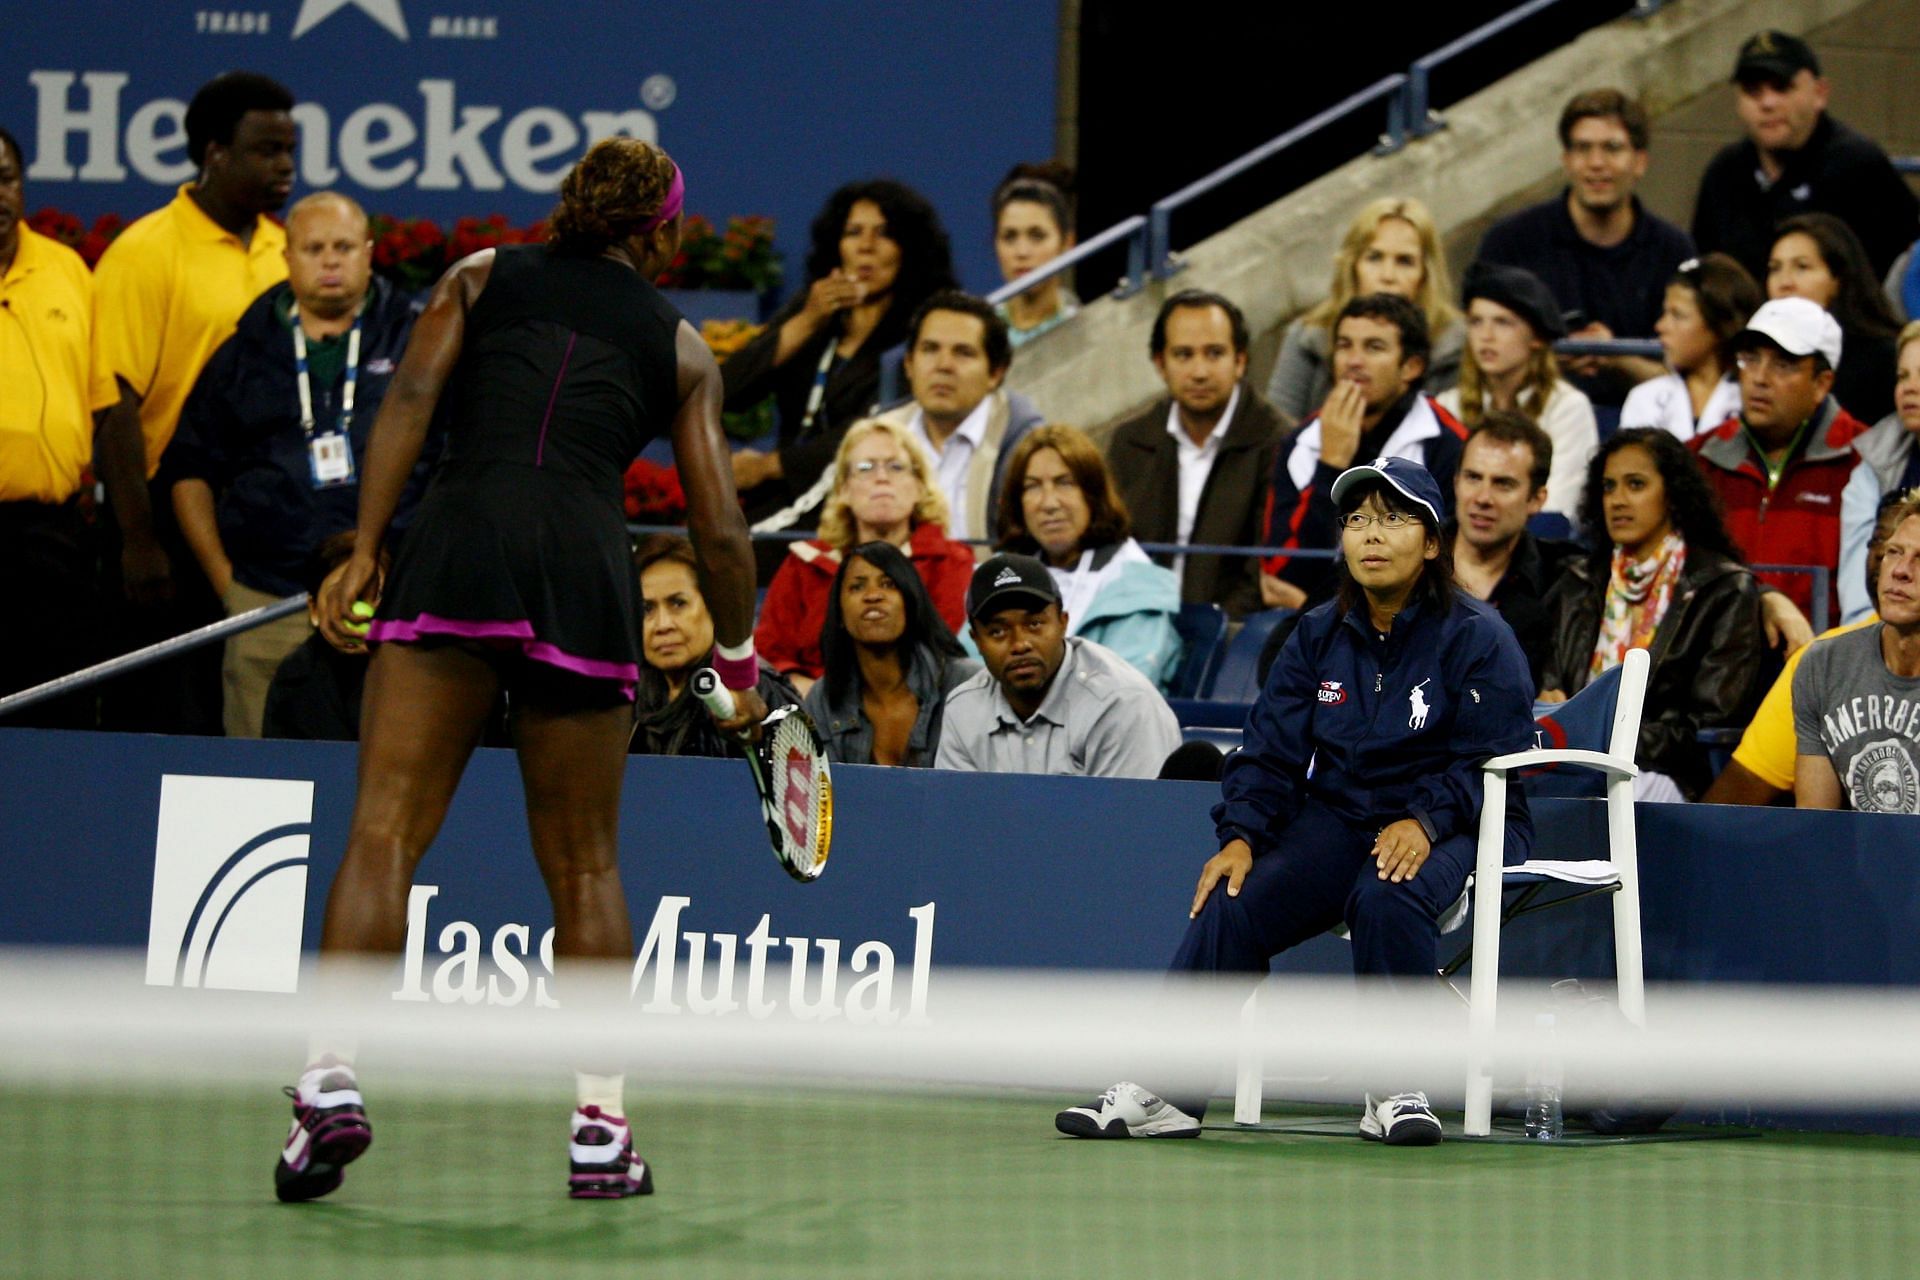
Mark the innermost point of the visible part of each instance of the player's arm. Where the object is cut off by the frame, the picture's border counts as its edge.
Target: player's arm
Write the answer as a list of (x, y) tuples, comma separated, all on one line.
[(1815, 784), (714, 520), (399, 433), (120, 460)]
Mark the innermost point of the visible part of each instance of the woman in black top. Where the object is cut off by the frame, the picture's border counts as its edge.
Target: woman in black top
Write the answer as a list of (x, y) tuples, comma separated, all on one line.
[(878, 252), (1817, 256), (556, 363)]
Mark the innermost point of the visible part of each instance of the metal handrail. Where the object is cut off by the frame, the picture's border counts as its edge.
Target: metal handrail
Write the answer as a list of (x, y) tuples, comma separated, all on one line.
[(1160, 218), (1131, 229), (1907, 164), (1822, 584), (157, 652), (1645, 348), (1421, 118)]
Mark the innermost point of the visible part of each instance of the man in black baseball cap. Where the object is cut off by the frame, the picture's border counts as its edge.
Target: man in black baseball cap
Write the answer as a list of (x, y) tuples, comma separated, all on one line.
[(1048, 702), (1797, 158)]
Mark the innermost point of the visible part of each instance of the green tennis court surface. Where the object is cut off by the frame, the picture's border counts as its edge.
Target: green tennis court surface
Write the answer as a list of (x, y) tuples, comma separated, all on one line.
[(105, 1186)]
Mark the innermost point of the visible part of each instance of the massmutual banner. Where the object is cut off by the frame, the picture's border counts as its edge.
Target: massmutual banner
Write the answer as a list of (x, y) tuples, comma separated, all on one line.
[(444, 108)]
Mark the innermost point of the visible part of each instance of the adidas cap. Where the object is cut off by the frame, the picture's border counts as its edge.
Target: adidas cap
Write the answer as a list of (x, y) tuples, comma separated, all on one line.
[(1009, 582)]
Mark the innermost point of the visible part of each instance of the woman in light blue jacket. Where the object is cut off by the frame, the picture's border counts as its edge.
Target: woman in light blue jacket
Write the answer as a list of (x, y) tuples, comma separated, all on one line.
[(1059, 504)]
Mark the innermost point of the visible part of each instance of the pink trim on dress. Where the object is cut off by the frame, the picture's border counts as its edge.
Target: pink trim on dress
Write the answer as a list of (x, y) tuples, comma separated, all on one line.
[(407, 631)]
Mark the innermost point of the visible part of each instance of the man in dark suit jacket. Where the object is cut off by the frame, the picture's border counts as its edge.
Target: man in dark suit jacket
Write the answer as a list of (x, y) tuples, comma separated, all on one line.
[(1194, 468)]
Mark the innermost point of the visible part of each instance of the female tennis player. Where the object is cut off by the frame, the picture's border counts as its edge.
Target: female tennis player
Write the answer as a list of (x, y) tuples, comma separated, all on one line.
[(1395, 694), (556, 363)]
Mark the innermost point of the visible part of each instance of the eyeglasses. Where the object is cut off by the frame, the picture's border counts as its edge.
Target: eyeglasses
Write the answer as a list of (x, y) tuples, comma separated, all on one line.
[(1358, 520), (867, 466), (1768, 362)]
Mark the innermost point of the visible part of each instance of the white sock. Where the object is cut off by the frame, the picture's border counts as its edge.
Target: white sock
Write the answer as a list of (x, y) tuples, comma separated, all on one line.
[(604, 1092)]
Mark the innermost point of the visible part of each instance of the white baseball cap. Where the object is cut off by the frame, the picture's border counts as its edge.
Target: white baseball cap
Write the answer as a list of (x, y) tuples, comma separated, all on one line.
[(1798, 326)]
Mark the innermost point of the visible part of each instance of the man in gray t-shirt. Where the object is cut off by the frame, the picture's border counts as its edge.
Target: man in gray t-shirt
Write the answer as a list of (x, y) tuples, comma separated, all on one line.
[(1856, 697)]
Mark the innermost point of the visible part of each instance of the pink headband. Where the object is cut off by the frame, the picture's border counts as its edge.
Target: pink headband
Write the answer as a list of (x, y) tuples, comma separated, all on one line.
[(671, 206)]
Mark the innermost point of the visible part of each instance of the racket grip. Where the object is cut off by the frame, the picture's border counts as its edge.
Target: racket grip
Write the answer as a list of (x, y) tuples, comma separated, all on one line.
[(713, 695)]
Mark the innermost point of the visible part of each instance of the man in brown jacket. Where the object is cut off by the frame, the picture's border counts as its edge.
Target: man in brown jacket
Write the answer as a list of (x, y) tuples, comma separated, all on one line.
[(1194, 468)]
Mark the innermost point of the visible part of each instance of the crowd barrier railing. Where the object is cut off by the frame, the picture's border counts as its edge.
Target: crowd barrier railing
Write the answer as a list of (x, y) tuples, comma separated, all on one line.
[(87, 677)]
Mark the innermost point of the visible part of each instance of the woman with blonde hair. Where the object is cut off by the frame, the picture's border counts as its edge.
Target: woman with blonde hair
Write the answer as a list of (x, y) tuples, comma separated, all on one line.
[(883, 491), (1512, 323), (1392, 246), (1059, 505)]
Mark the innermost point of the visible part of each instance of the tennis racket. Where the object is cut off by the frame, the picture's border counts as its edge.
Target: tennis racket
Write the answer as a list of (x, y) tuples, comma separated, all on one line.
[(790, 771)]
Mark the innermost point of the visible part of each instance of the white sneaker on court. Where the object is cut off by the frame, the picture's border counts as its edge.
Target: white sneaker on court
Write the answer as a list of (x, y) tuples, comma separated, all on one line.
[(1400, 1120), (1127, 1111)]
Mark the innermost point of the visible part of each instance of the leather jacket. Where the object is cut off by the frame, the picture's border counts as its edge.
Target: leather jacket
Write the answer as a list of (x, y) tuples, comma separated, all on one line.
[(1708, 657)]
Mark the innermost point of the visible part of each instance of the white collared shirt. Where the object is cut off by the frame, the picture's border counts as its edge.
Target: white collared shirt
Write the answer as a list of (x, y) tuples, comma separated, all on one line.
[(950, 464), (1196, 464)]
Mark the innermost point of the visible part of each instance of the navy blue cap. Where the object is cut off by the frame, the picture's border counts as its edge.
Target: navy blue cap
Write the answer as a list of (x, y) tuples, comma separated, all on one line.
[(1403, 475)]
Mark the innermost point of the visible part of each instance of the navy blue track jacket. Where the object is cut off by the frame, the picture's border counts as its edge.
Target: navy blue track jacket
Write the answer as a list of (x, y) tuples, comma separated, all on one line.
[(1395, 728)]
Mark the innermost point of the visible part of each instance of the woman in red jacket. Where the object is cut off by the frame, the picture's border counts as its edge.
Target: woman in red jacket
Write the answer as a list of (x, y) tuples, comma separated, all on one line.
[(882, 491)]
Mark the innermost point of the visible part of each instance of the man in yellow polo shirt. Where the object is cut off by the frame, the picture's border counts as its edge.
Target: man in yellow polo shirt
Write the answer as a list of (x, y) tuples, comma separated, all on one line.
[(166, 293), (46, 440)]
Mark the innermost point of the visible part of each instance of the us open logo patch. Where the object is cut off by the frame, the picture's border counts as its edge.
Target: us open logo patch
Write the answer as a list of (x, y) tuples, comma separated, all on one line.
[(1332, 693)]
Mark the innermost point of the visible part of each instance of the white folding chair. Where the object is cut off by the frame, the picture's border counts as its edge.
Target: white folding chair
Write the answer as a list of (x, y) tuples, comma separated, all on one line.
[(1618, 872)]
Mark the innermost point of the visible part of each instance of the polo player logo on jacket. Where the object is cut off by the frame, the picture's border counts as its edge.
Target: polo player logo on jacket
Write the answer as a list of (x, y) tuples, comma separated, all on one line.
[(1418, 720)]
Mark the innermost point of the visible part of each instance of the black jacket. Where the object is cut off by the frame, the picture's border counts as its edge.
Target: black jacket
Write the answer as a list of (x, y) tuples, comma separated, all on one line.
[(1839, 171), (1521, 594), (1146, 467), (1708, 657), (684, 727), (240, 433)]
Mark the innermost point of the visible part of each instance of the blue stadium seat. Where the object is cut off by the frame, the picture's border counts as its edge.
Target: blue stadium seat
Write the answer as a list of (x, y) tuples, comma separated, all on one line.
[(1238, 679), (1203, 629), (1549, 524)]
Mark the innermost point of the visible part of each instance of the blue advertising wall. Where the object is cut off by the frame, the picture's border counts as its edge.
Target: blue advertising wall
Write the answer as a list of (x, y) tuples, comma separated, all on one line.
[(444, 110), (215, 856)]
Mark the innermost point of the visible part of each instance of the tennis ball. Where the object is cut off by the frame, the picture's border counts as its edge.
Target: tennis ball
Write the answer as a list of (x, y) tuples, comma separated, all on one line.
[(361, 609)]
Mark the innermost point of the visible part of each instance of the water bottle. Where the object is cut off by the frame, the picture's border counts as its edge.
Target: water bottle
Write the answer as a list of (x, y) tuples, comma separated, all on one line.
[(1545, 1078)]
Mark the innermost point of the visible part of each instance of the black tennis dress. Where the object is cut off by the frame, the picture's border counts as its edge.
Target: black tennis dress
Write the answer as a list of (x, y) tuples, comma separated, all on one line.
[(567, 370)]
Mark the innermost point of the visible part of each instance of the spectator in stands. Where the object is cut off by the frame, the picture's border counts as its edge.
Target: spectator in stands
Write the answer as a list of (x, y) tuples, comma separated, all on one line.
[(1780, 467), (1193, 468), (1356, 799), (1375, 410), (1060, 505), (961, 412), (1605, 258), (883, 492), (1815, 256), (878, 252), (1856, 697), (267, 461), (1512, 324), (1796, 158), (1889, 464), (676, 640), (166, 293), (46, 439), (1033, 225), (1708, 302), (890, 664), (1761, 771), (1048, 702), (1662, 574), (1501, 483), (1393, 246)]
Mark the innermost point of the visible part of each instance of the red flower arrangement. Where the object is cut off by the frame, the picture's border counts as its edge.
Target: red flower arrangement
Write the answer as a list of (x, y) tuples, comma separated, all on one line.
[(88, 242)]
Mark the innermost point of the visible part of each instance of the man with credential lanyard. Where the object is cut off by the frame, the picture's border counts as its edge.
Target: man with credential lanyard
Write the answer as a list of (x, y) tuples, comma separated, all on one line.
[(266, 463), (1395, 693)]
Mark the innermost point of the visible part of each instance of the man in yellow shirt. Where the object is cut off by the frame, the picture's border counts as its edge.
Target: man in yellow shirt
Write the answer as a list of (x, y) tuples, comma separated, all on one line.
[(1761, 770), (166, 294), (46, 440)]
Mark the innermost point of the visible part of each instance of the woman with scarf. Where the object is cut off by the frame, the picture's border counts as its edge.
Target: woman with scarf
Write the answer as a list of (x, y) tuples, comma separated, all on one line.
[(1665, 577)]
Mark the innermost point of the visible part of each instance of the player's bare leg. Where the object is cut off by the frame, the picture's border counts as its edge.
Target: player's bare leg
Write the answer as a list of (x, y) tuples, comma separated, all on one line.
[(425, 710), (572, 765)]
